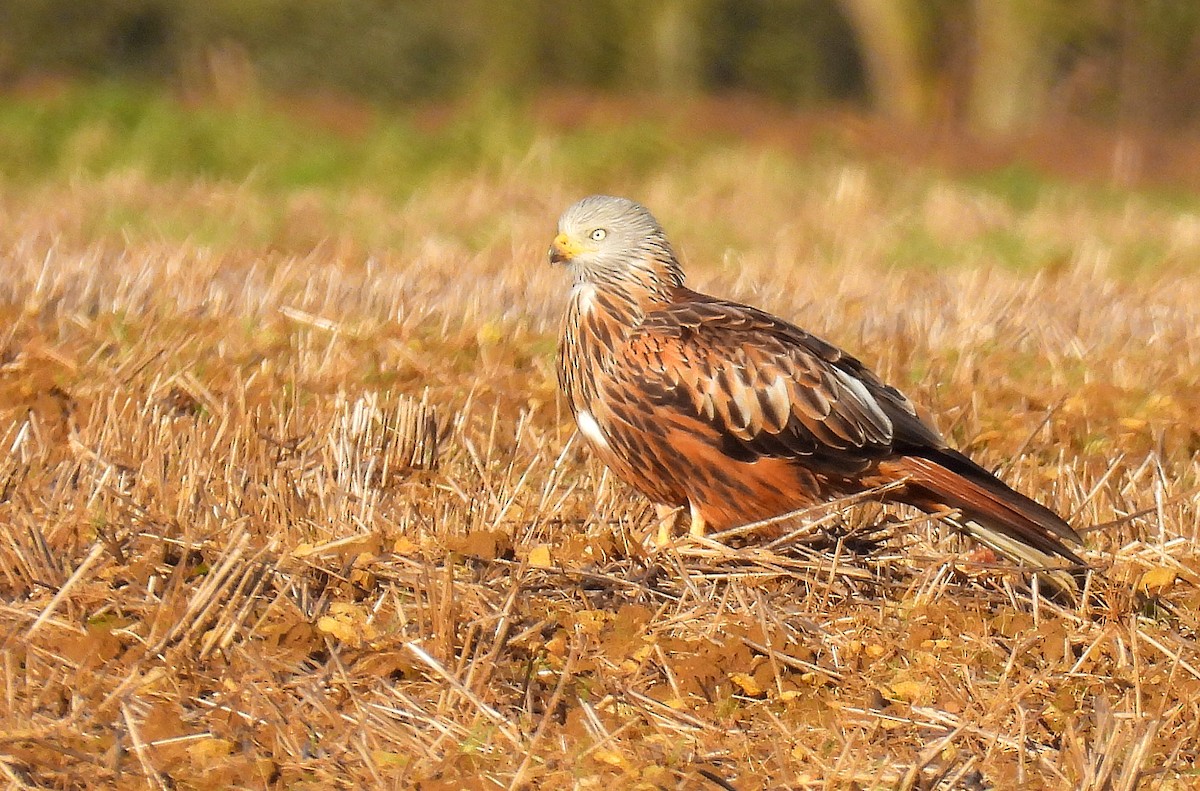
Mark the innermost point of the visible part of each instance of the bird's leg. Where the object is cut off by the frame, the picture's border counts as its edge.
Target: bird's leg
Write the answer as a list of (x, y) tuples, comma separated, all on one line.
[(668, 518), (699, 526)]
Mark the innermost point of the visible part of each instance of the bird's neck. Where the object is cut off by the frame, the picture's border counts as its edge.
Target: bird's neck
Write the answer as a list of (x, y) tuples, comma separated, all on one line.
[(603, 311), (600, 316), (626, 297)]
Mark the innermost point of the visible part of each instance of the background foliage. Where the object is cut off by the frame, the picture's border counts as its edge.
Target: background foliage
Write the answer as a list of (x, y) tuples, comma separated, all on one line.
[(994, 66)]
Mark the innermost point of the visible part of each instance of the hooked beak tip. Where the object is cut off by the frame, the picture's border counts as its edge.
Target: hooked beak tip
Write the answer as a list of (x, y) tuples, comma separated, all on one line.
[(562, 250)]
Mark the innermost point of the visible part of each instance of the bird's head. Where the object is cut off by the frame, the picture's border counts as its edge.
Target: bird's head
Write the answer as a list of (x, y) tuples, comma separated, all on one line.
[(613, 241)]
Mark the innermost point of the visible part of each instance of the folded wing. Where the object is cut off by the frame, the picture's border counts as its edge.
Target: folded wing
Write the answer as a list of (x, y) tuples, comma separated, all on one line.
[(765, 388), (757, 387)]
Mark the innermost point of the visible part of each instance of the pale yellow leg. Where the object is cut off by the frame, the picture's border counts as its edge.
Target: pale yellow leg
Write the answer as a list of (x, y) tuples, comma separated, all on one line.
[(699, 526), (668, 517)]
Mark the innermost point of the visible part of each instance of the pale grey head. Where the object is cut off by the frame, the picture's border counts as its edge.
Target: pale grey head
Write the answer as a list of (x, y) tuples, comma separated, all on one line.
[(607, 240)]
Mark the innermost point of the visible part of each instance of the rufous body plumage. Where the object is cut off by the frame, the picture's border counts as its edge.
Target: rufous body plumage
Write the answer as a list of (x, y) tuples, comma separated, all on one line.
[(736, 415)]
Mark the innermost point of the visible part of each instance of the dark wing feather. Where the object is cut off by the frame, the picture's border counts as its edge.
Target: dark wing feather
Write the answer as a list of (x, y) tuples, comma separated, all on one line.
[(754, 386), (764, 387)]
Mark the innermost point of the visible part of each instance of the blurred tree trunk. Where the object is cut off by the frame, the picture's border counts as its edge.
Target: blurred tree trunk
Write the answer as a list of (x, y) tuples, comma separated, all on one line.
[(1011, 71), (1005, 78), (675, 32), (889, 33)]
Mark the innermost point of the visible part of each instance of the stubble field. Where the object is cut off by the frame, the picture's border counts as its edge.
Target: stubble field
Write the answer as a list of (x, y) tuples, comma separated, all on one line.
[(288, 497)]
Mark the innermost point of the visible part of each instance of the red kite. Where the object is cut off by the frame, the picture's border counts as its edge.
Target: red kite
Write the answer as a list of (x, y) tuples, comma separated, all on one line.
[(737, 415)]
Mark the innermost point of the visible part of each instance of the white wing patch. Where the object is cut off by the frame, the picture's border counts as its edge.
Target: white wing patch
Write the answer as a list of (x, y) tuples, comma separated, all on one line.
[(590, 428), (865, 398)]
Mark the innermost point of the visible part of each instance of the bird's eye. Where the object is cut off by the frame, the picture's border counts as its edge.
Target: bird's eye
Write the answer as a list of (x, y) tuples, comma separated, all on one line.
[(599, 234)]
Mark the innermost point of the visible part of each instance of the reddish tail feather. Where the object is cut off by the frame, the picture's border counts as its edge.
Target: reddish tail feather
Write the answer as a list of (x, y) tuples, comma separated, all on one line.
[(992, 512)]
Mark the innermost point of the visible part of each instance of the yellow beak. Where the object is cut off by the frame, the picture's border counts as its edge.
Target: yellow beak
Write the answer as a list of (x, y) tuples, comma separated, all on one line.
[(563, 249)]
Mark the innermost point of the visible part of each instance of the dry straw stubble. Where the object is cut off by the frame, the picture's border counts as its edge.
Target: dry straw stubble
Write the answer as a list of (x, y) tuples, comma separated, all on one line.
[(222, 563)]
